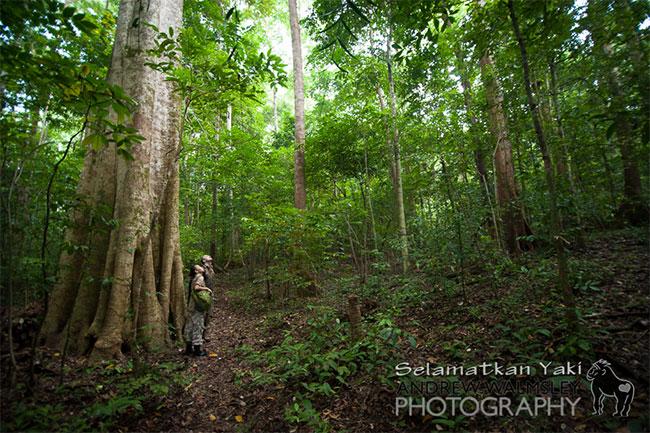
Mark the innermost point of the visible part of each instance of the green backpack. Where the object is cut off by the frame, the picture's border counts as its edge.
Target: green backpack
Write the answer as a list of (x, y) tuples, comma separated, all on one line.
[(202, 300)]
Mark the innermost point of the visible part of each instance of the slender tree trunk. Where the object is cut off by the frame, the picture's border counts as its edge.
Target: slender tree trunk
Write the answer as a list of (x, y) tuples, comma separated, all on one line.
[(544, 109), (368, 195), (397, 160), (8, 253), (580, 238), (563, 279), (512, 222), (633, 209), (213, 220), (300, 192), (389, 146), (479, 157), (459, 234), (214, 205), (44, 126), (560, 126), (610, 179), (126, 283), (366, 229), (275, 110), (625, 17), (186, 211)]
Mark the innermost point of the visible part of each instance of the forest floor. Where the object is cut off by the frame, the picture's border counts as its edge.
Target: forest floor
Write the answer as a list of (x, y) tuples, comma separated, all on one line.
[(612, 280), (510, 317)]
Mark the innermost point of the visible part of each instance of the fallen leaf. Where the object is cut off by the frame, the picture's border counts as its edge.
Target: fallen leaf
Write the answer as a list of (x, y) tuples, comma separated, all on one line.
[(239, 418), (212, 355), (329, 414), (212, 418)]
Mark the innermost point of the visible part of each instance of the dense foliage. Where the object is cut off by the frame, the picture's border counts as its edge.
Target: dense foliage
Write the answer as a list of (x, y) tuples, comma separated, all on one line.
[(236, 159), (412, 107)]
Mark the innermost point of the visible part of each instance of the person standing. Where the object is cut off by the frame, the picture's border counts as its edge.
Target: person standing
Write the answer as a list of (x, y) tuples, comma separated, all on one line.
[(209, 276), (196, 315)]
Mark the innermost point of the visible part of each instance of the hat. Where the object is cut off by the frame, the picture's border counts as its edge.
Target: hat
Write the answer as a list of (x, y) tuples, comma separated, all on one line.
[(206, 258), (198, 269)]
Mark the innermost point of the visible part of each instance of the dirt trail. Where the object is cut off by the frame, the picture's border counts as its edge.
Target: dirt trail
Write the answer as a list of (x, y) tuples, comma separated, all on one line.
[(213, 401), (214, 392)]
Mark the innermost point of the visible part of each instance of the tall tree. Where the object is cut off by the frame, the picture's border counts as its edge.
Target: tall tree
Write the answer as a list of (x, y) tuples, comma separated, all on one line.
[(215, 195), (125, 284), (395, 156), (556, 224), (479, 156), (300, 192), (513, 224), (632, 208)]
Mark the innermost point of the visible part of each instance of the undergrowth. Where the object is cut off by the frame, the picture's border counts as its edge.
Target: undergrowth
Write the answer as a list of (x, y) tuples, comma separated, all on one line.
[(325, 359), (100, 398)]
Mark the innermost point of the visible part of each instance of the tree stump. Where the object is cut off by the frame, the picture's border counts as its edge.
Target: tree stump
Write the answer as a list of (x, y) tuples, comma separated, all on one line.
[(354, 314)]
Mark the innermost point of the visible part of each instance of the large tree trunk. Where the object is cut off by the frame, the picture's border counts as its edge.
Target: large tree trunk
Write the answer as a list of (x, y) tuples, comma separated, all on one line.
[(565, 289), (125, 281), (511, 217), (300, 192)]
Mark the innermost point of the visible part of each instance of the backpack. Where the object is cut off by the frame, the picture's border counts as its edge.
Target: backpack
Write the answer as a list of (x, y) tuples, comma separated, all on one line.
[(202, 300)]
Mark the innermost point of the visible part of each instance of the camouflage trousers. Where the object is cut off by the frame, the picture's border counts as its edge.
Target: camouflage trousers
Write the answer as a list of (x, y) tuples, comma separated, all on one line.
[(207, 316), (194, 326)]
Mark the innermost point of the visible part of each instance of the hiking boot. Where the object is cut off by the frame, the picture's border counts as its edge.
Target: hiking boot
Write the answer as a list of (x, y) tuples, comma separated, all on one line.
[(188, 349), (198, 350)]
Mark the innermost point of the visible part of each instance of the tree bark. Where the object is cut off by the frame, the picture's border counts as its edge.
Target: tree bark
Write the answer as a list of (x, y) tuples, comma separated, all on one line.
[(300, 192), (563, 278), (512, 222), (121, 282)]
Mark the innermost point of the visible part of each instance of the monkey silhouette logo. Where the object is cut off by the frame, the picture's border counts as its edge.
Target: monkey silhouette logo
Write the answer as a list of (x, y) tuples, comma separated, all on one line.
[(605, 383)]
